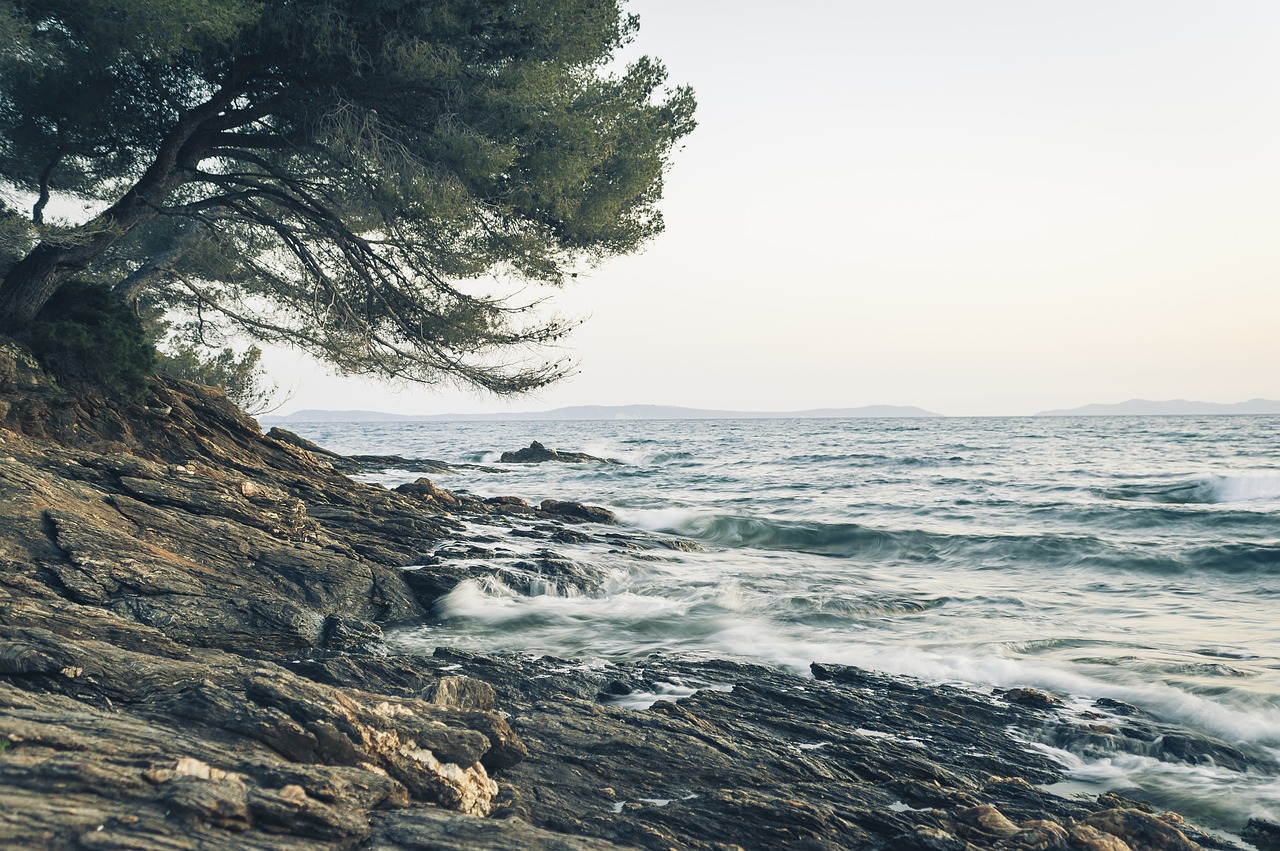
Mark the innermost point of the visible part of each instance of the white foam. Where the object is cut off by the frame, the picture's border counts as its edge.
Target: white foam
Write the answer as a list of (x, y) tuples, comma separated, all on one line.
[(664, 691), (1201, 787), (755, 639), (488, 600), (1257, 487), (660, 519)]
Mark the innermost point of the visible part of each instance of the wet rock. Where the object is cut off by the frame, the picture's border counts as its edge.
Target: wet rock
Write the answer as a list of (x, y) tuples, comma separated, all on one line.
[(509, 506), (1197, 749), (576, 511), (343, 633), (986, 821), (285, 436), (424, 489), (368, 463), (437, 830), (570, 536), (536, 453), (1031, 697), (1141, 830), (929, 839), (1145, 736), (1263, 833), (1041, 835), (1118, 707)]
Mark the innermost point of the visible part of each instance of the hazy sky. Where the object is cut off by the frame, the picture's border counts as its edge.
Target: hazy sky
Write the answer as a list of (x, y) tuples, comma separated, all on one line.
[(974, 207)]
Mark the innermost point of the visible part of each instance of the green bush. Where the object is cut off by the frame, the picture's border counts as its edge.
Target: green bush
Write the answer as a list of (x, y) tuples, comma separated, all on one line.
[(240, 376), (85, 337)]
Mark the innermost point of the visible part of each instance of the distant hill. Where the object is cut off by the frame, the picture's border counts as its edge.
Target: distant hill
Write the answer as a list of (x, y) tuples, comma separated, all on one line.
[(1173, 407), (602, 412)]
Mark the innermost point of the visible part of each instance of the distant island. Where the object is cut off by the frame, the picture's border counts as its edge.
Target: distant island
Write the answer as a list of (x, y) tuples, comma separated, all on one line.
[(603, 412), (1173, 407)]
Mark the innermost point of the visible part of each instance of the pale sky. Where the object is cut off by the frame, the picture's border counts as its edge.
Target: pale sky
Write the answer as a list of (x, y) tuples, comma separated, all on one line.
[(976, 207)]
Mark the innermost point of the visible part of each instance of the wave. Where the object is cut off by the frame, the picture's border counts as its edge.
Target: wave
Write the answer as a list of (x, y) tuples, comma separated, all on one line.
[(857, 541), (1206, 792), (837, 539), (854, 540), (874, 459), (1204, 490), (1236, 558)]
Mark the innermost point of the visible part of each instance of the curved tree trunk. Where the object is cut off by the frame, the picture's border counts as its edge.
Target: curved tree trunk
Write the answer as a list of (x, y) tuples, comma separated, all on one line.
[(31, 283), (28, 286), (38, 276)]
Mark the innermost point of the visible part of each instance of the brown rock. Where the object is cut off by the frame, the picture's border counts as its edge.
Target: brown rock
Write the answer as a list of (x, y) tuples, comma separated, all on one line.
[(987, 819), (1141, 830), (1041, 835), (1031, 697), (1089, 838), (463, 693)]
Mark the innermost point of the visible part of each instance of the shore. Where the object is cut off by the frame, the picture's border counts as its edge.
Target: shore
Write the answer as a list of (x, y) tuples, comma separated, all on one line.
[(192, 656)]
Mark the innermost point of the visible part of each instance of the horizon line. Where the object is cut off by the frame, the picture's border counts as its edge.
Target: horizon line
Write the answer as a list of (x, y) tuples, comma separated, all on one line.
[(637, 411)]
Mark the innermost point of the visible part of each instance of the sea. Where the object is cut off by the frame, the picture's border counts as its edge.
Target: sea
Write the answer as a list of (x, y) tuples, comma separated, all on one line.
[(1132, 558)]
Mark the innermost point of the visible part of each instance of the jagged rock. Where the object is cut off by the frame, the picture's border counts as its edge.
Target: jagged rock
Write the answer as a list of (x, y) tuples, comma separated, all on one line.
[(437, 830), (424, 489), (536, 453), (285, 436), (463, 693)]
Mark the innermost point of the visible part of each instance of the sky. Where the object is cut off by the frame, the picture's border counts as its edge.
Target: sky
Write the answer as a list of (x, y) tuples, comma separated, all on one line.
[(977, 207)]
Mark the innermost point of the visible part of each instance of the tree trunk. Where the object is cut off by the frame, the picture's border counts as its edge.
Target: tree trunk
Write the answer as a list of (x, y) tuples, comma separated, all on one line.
[(28, 286), (38, 276), (31, 283)]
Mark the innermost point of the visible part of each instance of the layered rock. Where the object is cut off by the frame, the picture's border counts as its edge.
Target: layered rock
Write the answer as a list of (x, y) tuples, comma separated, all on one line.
[(191, 656)]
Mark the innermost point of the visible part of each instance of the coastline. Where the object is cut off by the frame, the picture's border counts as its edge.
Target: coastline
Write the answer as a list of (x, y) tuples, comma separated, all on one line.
[(191, 625)]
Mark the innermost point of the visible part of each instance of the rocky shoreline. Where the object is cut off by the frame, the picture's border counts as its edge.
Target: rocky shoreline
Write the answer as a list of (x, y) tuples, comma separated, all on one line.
[(192, 655)]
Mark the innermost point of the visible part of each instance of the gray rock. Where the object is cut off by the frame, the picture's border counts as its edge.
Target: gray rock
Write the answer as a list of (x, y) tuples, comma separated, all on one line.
[(576, 511)]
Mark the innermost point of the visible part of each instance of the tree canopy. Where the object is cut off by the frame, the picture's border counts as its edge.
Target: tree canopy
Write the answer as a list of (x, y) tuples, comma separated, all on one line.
[(333, 174)]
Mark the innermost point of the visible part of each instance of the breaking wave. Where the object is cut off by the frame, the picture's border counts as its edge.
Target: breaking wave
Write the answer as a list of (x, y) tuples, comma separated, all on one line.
[(1205, 490)]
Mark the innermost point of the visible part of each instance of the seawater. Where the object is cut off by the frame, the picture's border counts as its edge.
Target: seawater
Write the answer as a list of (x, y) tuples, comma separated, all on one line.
[(1123, 557)]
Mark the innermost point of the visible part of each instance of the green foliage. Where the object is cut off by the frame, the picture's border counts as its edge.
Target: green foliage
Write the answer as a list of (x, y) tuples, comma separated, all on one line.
[(84, 336), (330, 174), (240, 376), (17, 236)]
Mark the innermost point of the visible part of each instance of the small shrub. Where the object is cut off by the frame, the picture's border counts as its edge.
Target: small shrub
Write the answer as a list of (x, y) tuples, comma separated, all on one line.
[(85, 337), (240, 376)]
